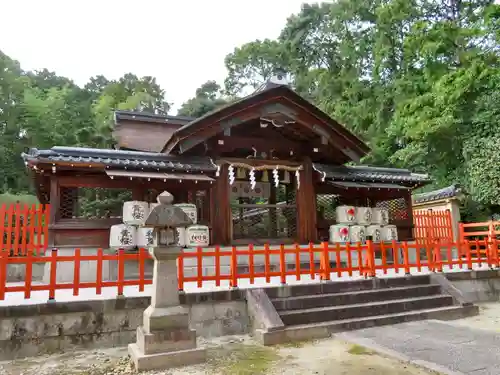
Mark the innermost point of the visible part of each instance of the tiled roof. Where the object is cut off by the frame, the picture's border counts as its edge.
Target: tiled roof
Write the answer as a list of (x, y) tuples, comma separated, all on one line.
[(371, 174), (444, 193), (151, 117), (120, 159)]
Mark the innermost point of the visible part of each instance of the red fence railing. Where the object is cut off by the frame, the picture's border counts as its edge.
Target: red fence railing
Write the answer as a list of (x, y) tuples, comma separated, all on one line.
[(24, 228), (232, 265), (432, 225)]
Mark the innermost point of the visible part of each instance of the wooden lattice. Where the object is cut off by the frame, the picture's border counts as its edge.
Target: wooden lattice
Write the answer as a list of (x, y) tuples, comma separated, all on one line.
[(398, 209), (92, 203)]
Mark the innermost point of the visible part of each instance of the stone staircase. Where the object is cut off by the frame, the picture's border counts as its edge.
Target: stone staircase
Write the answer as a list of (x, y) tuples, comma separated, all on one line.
[(319, 310)]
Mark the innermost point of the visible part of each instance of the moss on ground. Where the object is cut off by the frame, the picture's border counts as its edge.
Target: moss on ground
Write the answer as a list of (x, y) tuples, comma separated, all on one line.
[(240, 359), (359, 350)]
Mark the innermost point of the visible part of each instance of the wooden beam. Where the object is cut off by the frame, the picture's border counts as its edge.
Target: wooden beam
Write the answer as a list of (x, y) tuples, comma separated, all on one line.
[(306, 205), (220, 213)]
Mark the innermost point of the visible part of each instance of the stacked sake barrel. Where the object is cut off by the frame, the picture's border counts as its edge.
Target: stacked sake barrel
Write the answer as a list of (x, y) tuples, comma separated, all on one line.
[(354, 224), (132, 233)]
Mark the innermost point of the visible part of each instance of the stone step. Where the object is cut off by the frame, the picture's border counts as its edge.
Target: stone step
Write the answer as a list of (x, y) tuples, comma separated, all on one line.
[(326, 329), (345, 286), (357, 297), (323, 314)]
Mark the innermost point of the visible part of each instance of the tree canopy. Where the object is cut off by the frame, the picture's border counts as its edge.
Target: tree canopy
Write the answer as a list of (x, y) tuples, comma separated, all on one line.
[(419, 81)]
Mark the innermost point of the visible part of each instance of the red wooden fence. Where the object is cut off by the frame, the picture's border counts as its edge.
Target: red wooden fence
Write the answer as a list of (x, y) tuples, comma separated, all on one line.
[(24, 228), (335, 261), (432, 225)]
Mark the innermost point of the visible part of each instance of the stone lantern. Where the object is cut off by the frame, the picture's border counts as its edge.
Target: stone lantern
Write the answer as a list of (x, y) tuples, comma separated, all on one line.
[(165, 339)]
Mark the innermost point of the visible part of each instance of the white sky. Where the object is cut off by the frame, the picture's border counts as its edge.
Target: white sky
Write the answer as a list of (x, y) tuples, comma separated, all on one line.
[(182, 43)]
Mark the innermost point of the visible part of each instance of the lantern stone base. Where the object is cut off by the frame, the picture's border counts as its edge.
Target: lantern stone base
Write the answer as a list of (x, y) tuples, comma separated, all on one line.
[(166, 360), (165, 340)]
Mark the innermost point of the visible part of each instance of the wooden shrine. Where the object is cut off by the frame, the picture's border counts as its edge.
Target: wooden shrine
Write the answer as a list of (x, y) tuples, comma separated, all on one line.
[(269, 168)]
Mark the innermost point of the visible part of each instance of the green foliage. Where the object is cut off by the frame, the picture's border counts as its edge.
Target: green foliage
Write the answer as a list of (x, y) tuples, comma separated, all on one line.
[(208, 98)]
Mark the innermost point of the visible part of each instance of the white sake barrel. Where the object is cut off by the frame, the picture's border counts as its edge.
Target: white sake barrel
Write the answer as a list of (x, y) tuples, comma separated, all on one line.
[(135, 212), (346, 214), (364, 215), (197, 235), (190, 210), (375, 231), (145, 238), (357, 233), (181, 237), (389, 233), (339, 233), (380, 216), (123, 236)]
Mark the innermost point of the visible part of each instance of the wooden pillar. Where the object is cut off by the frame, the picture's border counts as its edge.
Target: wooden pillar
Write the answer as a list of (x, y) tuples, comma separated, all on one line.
[(220, 210), (409, 207), (138, 193), (55, 212), (306, 205)]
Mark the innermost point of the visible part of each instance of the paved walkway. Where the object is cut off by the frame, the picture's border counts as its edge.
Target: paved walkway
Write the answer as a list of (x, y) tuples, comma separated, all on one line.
[(440, 346)]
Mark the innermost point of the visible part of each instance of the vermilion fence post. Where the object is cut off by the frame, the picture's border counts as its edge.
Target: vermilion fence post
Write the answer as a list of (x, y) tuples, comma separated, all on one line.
[(98, 279), (2, 226), (395, 255), (76, 272), (3, 271), (312, 266), (406, 259), (371, 258), (46, 227), (267, 263), (17, 229), (32, 246), (282, 264), (234, 268), (121, 271), (349, 258), (180, 272), (199, 267), (28, 275), (142, 260), (24, 237), (217, 265), (338, 260), (325, 261), (383, 253), (53, 275), (9, 229), (251, 269), (297, 261)]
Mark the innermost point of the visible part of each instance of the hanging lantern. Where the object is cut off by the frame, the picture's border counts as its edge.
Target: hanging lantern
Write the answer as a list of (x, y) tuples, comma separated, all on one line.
[(286, 177), (265, 176), (276, 177), (297, 176), (231, 174), (240, 174), (252, 178)]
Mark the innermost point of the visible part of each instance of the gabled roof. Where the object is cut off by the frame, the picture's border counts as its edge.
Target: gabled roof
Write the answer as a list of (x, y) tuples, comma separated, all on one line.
[(267, 95), (372, 174), (152, 118), (118, 159), (452, 191)]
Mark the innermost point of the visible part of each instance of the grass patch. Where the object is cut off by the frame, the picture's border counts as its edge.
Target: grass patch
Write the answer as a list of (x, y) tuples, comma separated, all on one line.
[(296, 344), (242, 359), (359, 350)]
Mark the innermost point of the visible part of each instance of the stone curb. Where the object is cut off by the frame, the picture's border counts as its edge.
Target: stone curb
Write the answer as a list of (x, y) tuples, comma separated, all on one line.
[(370, 344)]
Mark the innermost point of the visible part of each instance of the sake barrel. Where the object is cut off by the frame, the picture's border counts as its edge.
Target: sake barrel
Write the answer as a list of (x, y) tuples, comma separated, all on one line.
[(135, 212), (375, 231), (152, 206), (190, 210), (380, 216), (123, 236), (181, 237), (145, 237), (357, 233), (389, 233), (339, 233), (364, 215), (197, 235), (346, 214)]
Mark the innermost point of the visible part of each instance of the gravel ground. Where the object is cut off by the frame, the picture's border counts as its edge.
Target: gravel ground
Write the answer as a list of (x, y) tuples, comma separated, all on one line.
[(239, 355)]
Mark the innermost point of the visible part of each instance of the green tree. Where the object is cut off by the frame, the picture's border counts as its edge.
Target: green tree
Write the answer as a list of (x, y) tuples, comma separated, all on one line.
[(207, 98)]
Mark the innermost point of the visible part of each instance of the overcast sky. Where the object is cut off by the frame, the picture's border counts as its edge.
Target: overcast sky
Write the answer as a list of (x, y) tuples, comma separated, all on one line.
[(182, 43)]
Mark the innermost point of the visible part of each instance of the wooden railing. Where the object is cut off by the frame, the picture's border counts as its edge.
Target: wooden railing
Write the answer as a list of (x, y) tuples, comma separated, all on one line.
[(24, 228), (430, 225), (263, 265)]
